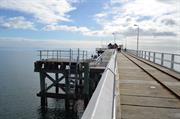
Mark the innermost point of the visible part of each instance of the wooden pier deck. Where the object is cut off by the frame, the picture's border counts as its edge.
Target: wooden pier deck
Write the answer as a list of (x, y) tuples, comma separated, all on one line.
[(147, 91)]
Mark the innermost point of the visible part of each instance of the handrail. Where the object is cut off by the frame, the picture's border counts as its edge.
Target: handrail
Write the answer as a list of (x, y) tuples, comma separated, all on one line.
[(102, 57), (168, 60), (102, 102), (63, 54)]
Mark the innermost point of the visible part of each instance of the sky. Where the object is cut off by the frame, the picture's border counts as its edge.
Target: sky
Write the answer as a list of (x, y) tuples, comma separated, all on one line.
[(89, 23)]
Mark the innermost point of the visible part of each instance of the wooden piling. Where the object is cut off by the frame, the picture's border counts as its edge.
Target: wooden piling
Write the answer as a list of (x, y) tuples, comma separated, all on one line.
[(43, 87)]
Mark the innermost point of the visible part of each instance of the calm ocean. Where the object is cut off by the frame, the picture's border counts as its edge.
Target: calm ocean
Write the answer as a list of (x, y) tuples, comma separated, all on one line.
[(19, 85)]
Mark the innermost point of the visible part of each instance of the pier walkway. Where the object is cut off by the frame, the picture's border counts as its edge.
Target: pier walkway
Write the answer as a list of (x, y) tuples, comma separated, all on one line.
[(116, 85), (147, 90)]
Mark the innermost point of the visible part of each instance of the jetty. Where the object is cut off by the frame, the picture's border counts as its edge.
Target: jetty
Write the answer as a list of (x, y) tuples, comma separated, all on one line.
[(118, 84)]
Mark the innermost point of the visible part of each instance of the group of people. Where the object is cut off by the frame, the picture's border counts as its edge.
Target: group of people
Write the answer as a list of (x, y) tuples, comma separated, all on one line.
[(115, 46)]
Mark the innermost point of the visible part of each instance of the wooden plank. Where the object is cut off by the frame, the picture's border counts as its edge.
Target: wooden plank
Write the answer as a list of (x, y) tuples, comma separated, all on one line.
[(140, 112), (141, 96)]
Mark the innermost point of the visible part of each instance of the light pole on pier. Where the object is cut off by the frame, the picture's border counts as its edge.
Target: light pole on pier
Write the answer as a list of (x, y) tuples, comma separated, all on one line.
[(125, 43), (114, 35), (137, 37)]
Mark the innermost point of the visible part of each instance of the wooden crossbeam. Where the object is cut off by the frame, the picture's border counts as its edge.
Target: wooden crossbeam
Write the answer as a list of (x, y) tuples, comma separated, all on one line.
[(50, 78), (54, 82), (52, 95)]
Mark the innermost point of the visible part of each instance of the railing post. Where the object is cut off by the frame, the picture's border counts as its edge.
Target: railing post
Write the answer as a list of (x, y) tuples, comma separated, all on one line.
[(57, 55), (47, 54), (149, 55), (40, 54), (60, 54), (70, 55), (144, 54), (86, 55), (83, 55), (154, 57), (137, 53), (141, 53), (52, 53), (172, 61), (78, 56), (162, 59)]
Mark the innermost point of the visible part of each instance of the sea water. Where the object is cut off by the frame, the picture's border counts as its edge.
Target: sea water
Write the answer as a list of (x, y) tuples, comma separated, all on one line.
[(19, 85)]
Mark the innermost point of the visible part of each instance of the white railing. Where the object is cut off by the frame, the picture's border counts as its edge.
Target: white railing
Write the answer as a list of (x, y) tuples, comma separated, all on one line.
[(168, 60), (104, 58), (102, 103), (63, 54)]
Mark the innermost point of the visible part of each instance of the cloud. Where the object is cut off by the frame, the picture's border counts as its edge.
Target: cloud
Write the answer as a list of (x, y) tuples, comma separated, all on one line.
[(119, 1), (169, 22), (16, 23), (169, 1), (83, 30), (157, 17), (100, 15), (45, 11), (160, 44), (153, 17), (148, 32), (66, 28), (76, 1)]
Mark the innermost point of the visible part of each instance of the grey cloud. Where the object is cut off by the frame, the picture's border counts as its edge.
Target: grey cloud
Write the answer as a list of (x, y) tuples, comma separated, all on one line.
[(144, 18), (168, 1), (133, 32), (128, 19), (164, 34), (76, 1), (151, 32), (169, 22)]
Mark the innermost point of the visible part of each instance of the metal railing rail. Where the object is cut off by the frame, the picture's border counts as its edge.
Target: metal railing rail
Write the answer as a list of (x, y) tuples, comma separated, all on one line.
[(103, 100), (63, 54), (168, 60), (103, 59)]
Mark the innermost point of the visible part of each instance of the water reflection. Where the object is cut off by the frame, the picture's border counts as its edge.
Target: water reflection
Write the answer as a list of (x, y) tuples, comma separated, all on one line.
[(54, 113), (58, 112)]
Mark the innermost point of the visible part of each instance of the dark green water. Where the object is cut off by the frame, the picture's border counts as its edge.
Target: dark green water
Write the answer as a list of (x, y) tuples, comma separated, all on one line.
[(19, 85)]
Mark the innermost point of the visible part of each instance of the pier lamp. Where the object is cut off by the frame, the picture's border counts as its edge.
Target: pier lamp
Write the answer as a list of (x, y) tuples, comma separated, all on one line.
[(137, 37)]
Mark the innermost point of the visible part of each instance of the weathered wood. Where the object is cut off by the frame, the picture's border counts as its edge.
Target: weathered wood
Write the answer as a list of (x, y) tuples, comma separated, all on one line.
[(143, 97), (52, 95), (57, 86), (86, 84), (75, 72), (43, 87)]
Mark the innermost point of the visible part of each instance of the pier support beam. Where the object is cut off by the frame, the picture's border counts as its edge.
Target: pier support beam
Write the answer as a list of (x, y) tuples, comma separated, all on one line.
[(43, 90), (67, 87), (70, 81), (86, 84), (57, 87)]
